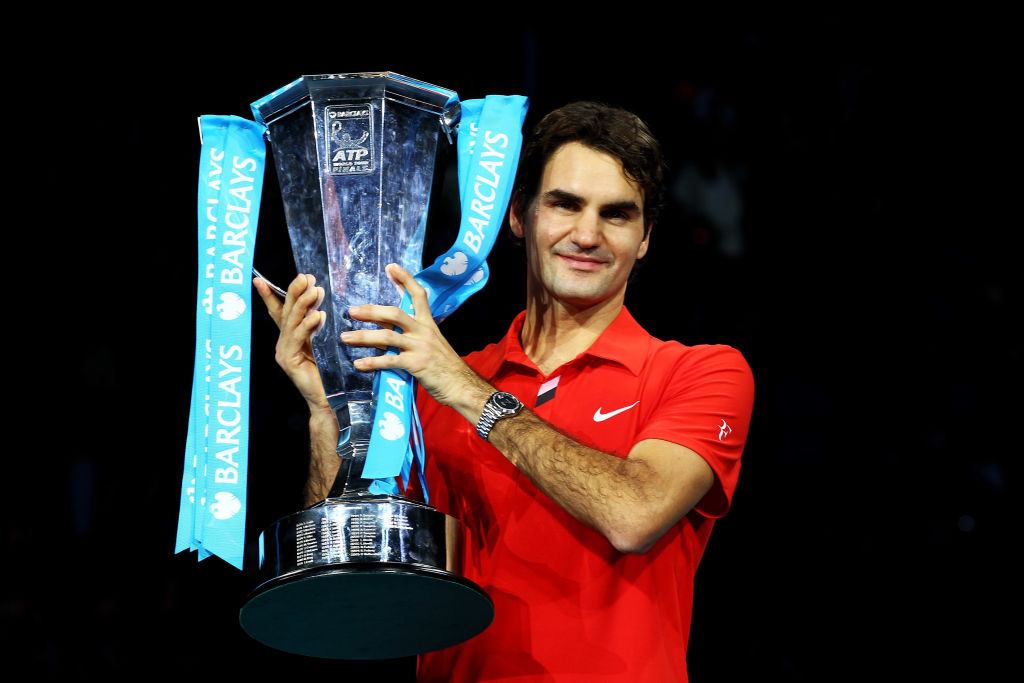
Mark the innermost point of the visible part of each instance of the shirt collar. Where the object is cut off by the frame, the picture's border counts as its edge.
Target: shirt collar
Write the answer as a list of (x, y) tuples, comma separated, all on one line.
[(624, 342)]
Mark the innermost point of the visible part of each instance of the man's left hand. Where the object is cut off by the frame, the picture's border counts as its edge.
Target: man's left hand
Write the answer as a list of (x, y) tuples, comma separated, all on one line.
[(423, 350)]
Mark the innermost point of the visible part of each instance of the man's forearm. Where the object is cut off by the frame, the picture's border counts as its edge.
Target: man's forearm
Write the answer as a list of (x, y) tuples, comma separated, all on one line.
[(610, 494), (323, 456), (601, 490), (630, 501)]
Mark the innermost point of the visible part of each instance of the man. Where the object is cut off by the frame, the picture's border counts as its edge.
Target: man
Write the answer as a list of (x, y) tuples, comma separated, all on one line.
[(589, 507)]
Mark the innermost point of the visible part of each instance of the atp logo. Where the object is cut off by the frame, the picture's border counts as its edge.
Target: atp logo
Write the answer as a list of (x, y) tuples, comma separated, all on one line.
[(231, 306), (349, 139), (455, 264), (226, 506), (391, 427)]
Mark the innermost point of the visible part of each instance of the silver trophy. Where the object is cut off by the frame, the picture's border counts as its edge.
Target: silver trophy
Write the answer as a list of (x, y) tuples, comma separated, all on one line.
[(359, 575)]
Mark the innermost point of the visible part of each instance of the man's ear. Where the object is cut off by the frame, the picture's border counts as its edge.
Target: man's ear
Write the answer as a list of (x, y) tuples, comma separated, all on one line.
[(645, 244), (515, 221)]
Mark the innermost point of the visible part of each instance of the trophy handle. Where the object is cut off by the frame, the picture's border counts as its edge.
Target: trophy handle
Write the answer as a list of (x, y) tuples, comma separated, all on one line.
[(270, 284)]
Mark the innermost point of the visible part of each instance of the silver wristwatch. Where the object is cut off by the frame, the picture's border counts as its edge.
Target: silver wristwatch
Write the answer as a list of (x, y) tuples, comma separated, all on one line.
[(500, 404)]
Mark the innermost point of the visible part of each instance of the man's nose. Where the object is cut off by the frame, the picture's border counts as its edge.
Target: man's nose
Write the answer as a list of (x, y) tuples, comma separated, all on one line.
[(586, 232)]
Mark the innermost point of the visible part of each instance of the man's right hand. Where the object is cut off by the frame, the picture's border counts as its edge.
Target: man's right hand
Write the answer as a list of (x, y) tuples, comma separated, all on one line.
[(297, 318)]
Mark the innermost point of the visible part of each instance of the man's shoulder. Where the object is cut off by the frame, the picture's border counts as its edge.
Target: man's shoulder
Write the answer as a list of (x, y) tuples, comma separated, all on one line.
[(698, 353), (671, 353), (717, 372)]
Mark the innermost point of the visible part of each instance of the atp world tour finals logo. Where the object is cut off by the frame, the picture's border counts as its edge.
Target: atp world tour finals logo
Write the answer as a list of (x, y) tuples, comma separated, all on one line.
[(349, 134)]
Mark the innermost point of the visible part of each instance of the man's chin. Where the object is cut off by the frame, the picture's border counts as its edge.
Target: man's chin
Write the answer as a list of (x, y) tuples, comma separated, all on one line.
[(582, 298)]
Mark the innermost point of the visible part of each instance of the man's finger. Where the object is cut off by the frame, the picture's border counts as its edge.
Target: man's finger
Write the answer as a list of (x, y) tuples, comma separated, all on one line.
[(382, 315), (401, 277), (313, 323), (381, 339), (404, 279), (270, 300), (314, 312), (383, 362), (303, 298)]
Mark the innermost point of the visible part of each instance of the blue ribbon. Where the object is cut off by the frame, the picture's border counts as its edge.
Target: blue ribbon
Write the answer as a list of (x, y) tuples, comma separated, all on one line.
[(490, 138), (211, 517)]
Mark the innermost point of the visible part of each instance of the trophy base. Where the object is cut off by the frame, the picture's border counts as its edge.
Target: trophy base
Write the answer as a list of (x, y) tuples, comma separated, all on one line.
[(366, 612), (363, 578)]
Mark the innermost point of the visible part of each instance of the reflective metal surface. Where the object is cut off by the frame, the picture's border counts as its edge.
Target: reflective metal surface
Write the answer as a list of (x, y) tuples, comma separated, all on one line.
[(375, 530), (367, 579)]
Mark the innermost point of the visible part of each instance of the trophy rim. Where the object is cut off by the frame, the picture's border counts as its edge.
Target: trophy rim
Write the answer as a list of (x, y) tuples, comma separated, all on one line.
[(288, 98)]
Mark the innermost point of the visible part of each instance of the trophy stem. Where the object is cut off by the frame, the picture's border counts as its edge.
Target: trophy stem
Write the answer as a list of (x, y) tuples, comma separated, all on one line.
[(353, 443)]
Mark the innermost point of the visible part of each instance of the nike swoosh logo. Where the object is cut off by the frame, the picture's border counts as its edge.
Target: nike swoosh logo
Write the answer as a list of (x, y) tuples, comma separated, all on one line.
[(601, 417)]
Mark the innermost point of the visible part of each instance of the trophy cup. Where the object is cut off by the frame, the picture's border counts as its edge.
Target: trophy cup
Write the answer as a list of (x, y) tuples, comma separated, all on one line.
[(359, 575)]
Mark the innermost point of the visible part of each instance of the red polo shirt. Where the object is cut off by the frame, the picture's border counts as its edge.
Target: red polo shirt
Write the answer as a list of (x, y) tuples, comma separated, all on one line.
[(568, 606)]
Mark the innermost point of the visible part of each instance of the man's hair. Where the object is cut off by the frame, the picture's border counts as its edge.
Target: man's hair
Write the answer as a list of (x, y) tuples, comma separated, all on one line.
[(613, 131)]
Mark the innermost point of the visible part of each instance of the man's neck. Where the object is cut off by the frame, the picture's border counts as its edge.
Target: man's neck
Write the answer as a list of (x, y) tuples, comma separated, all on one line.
[(555, 333)]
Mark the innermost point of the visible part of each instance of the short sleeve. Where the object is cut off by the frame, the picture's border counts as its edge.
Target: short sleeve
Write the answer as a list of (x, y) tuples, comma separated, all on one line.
[(705, 404)]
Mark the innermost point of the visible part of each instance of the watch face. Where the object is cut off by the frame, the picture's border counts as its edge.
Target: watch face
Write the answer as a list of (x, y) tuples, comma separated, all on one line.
[(506, 401)]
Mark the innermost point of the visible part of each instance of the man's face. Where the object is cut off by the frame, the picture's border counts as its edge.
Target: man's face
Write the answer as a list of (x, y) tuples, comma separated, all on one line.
[(585, 228)]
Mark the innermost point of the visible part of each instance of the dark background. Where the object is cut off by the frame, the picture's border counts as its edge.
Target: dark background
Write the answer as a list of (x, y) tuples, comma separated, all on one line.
[(832, 213)]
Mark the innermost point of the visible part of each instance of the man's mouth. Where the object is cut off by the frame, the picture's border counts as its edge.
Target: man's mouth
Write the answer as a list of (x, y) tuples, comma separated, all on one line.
[(581, 261)]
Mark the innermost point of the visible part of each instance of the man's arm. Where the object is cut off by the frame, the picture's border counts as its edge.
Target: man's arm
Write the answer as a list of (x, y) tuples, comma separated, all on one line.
[(631, 501), (297, 318)]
